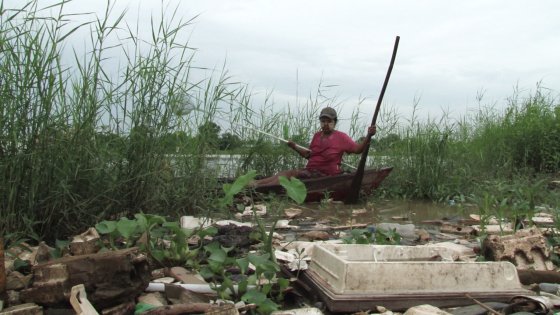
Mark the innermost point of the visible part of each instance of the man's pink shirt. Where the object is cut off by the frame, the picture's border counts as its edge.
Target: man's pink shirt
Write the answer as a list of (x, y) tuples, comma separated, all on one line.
[(326, 152)]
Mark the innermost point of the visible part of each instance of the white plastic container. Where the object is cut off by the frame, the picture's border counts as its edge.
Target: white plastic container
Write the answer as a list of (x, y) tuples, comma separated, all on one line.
[(383, 269)]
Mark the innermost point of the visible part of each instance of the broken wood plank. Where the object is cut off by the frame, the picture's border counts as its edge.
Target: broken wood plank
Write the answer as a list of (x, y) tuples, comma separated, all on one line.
[(109, 278), (192, 308)]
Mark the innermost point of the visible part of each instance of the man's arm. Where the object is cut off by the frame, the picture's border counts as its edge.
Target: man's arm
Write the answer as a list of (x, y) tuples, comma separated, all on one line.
[(362, 145), (302, 152)]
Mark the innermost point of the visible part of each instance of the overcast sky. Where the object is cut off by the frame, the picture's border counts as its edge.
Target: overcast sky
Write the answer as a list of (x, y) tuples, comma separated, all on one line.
[(449, 52)]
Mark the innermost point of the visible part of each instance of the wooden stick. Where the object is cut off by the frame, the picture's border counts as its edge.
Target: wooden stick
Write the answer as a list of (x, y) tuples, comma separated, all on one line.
[(354, 192), (484, 306)]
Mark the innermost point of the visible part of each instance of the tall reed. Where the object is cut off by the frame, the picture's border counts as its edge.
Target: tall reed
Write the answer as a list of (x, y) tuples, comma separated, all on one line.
[(81, 141), (447, 159)]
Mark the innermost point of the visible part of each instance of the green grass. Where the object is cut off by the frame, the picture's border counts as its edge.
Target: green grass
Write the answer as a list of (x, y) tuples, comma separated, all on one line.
[(511, 154)]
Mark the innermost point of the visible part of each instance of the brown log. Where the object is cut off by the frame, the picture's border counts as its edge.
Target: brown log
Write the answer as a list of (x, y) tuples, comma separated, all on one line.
[(177, 309), (528, 277)]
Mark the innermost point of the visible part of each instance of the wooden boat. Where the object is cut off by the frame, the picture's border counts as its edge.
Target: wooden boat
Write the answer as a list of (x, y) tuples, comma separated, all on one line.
[(336, 187)]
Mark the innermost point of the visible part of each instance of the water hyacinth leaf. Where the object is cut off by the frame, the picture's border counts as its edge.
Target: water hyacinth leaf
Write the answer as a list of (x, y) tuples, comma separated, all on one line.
[(283, 283), (217, 254), (254, 297), (158, 254), (106, 227), (142, 221), (216, 266), (174, 226), (267, 307), (240, 183), (209, 231), (258, 260), (206, 273), (127, 227), (266, 288), (243, 264), (154, 219), (252, 279), (264, 304), (142, 308), (295, 188), (242, 284)]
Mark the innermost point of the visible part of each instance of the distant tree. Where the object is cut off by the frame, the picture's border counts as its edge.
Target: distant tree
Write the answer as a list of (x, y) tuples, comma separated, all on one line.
[(174, 141), (209, 133), (229, 141)]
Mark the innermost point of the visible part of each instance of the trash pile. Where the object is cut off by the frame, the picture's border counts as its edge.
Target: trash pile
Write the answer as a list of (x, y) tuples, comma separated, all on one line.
[(295, 265)]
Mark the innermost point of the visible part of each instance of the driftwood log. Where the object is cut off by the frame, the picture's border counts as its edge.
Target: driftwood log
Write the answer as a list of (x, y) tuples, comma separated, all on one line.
[(109, 278), (528, 277), (527, 249)]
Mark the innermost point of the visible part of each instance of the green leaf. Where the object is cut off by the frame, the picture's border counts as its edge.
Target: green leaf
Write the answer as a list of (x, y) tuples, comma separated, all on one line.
[(267, 307), (209, 231), (254, 297), (217, 254), (243, 264), (206, 273), (106, 227), (295, 188), (142, 222), (127, 227), (154, 219), (158, 254), (258, 260), (242, 285), (21, 265), (237, 186), (216, 266), (266, 288), (142, 308), (283, 283), (286, 131)]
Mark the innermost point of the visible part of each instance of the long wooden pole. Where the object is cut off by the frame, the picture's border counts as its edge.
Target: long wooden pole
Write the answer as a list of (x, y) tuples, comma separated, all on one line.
[(354, 192)]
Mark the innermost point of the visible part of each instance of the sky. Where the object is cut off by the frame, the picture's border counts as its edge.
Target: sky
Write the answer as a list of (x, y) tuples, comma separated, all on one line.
[(450, 53)]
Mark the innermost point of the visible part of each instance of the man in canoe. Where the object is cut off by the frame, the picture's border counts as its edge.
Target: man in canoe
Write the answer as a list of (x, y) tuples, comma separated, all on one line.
[(325, 152)]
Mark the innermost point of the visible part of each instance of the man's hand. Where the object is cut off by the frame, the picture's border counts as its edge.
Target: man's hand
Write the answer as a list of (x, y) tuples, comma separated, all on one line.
[(371, 130)]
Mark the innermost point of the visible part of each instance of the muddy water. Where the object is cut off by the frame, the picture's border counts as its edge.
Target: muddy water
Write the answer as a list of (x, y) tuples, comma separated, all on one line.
[(405, 216), (394, 211)]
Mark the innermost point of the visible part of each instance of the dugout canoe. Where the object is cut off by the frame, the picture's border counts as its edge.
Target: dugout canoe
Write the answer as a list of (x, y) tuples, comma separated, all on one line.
[(336, 187)]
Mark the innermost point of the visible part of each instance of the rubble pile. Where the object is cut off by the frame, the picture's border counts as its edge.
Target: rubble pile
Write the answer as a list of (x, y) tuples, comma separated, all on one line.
[(89, 279)]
